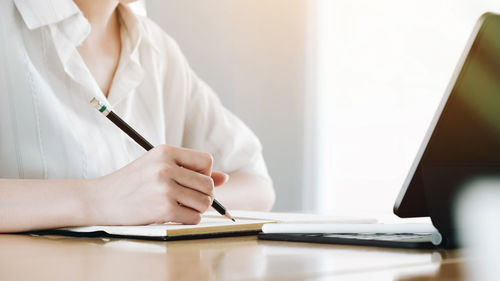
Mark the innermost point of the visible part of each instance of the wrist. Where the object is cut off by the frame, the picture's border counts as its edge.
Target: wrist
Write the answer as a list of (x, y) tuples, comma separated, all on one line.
[(89, 201)]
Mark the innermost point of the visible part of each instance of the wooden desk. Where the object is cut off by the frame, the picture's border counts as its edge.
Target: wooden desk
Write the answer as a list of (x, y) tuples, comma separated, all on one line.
[(25, 257)]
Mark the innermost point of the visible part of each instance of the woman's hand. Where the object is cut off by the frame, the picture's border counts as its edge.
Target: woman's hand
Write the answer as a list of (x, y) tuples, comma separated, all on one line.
[(167, 184)]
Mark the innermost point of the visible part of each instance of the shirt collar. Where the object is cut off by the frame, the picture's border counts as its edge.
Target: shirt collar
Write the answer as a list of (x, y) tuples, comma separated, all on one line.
[(67, 23), (38, 13), (130, 72), (130, 24)]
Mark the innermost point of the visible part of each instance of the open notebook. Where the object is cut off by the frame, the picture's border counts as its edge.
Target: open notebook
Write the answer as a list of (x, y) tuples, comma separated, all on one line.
[(212, 225)]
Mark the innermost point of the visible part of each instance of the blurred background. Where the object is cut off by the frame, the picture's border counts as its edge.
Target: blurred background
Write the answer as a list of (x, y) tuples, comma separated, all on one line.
[(340, 92)]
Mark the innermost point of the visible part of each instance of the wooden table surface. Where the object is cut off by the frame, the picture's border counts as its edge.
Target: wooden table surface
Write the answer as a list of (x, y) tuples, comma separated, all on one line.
[(24, 257)]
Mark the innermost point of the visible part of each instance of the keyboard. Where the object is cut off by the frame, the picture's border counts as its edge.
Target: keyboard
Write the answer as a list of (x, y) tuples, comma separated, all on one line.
[(393, 240)]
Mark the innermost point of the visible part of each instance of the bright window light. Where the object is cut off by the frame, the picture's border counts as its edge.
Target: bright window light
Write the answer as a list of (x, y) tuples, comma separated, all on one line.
[(383, 67)]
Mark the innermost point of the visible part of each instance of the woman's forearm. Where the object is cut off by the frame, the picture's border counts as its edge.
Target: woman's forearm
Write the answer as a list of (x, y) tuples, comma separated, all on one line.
[(42, 204), (46, 204), (155, 188), (245, 191)]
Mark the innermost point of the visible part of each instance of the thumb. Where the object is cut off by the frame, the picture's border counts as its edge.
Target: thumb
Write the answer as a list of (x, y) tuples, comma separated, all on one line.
[(219, 178)]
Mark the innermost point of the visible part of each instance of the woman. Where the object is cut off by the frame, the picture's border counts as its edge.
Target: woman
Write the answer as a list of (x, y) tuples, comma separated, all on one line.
[(63, 164)]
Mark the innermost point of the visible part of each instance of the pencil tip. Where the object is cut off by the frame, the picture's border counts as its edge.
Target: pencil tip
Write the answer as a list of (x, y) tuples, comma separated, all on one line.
[(228, 215)]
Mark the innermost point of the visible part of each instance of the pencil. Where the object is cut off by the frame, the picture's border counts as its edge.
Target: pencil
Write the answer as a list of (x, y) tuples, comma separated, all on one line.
[(144, 143)]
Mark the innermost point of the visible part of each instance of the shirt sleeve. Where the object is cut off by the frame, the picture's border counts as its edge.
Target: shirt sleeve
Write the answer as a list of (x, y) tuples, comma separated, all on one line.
[(208, 125)]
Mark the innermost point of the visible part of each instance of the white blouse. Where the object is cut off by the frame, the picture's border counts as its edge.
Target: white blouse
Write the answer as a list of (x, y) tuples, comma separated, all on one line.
[(48, 128)]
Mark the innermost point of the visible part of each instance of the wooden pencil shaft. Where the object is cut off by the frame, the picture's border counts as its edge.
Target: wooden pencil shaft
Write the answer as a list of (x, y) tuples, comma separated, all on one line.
[(129, 131)]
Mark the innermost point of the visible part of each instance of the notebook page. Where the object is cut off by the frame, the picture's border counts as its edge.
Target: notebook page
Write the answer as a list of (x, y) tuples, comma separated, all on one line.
[(207, 225)]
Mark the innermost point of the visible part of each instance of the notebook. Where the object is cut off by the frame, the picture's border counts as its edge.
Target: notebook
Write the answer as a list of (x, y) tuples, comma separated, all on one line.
[(212, 225)]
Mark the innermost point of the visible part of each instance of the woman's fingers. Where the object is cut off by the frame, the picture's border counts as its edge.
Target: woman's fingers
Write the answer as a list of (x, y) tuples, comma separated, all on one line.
[(191, 198), (189, 181), (200, 162), (193, 180), (186, 215), (219, 178)]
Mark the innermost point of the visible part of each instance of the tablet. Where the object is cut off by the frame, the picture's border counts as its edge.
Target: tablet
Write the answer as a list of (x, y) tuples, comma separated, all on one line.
[(463, 140)]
